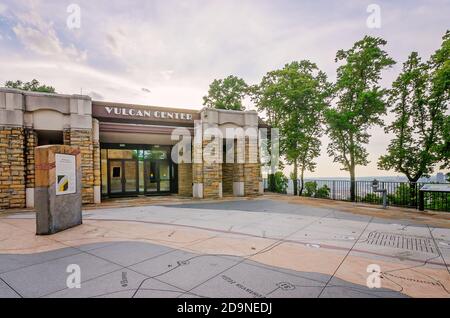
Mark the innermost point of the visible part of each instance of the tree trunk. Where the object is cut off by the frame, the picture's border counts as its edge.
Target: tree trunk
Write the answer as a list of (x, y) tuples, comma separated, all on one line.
[(352, 184), (302, 182), (413, 192), (271, 178), (295, 181)]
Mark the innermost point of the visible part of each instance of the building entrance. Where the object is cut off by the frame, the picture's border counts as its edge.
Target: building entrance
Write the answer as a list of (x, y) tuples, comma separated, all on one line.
[(123, 177), (131, 171)]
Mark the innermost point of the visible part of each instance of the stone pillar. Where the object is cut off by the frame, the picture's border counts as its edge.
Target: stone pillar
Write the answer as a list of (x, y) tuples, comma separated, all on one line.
[(81, 135), (238, 180), (252, 173), (83, 140), (96, 161), (12, 168), (238, 171), (212, 169), (31, 143), (185, 171), (66, 136), (197, 179), (197, 163), (252, 167), (228, 178), (212, 148), (12, 142)]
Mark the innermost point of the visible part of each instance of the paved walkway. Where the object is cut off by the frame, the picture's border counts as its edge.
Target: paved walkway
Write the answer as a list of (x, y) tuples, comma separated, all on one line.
[(268, 247)]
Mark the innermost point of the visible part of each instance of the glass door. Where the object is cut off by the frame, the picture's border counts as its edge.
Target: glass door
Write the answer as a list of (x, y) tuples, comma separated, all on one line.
[(151, 175), (115, 176), (123, 177), (157, 176)]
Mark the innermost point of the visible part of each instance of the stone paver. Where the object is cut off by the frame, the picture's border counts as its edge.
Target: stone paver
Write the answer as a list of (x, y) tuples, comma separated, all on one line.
[(243, 248)]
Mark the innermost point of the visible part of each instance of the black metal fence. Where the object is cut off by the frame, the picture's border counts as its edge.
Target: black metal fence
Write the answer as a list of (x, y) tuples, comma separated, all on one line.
[(402, 194)]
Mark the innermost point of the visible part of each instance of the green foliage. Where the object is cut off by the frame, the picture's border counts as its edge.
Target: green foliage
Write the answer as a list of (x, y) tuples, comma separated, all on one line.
[(371, 198), (419, 99), (312, 190), (323, 192), (226, 93), (33, 86), (437, 201), (360, 102), (280, 182), (294, 99)]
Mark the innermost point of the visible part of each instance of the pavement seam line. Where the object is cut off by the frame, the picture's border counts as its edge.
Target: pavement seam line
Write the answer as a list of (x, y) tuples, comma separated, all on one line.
[(345, 257)]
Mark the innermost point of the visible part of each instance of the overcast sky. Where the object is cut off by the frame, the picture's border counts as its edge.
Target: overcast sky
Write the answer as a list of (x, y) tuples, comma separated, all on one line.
[(166, 53)]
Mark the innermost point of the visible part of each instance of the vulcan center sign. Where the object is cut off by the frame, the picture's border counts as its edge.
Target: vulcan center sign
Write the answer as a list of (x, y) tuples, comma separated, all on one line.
[(144, 113)]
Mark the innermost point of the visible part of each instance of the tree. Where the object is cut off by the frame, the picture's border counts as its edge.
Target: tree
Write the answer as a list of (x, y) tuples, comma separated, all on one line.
[(360, 103), (419, 98), (33, 86), (444, 147), (440, 96), (294, 99), (226, 94)]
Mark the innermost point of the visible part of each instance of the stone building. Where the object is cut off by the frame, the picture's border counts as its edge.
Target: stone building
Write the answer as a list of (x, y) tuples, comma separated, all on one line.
[(126, 149)]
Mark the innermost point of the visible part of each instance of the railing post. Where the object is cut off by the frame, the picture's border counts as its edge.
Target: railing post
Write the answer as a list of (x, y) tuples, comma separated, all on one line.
[(334, 190), (421, 201)]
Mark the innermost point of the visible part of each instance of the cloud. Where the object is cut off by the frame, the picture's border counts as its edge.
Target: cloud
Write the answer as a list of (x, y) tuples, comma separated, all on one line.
[(39, 36), (3, 8), (96, 96)]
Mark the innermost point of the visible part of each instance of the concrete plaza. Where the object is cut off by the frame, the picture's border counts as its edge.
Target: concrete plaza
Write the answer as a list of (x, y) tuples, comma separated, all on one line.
[(272, 246)]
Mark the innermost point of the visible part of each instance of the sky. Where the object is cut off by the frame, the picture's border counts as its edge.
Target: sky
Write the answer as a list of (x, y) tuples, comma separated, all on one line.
[(167, 52)]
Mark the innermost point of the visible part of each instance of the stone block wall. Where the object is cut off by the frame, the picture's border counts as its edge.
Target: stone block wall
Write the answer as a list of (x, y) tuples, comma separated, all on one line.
[(96, 164), (212, 180), (185, 179), (252, 170), (212, 171), (30, 144), (83, 140), (12, 168), (228, 177)]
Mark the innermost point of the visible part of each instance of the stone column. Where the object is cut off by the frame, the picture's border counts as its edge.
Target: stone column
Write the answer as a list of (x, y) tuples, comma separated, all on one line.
[(252, 171), (66, 136), (31, 143), (212, 145), (252, 167), (83, 140), (238, 171), (12, 143), (12, 168), (212, 172), (81, 135), (197, 162), (96, 161), (185, 171)]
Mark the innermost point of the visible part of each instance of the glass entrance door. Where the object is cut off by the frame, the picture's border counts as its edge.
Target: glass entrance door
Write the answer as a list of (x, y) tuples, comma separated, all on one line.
[(157, 176), (123, 177)]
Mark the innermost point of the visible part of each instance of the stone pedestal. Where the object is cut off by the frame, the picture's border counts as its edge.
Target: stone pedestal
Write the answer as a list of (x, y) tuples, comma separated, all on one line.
[(57, 193)]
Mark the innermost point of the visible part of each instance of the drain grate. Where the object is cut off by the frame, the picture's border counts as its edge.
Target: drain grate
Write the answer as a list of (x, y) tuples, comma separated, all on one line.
[(405, 242)]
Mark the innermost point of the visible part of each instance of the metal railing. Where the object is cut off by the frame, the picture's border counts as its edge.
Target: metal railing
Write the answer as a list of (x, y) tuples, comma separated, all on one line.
[(402, 194)]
